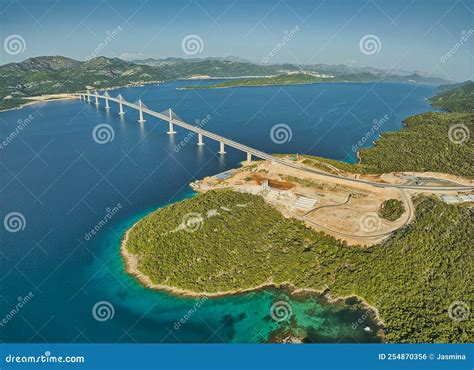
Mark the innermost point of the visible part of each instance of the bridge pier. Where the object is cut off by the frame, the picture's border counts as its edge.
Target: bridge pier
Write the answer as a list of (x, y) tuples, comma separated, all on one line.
[(171, 130), (249, 157), (200, 139), (141, 120), (221, 148), (88, 97), (121, 112), (96, 98), (107, 106)]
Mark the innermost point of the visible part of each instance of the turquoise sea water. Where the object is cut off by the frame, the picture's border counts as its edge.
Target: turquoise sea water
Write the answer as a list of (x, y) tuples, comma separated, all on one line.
[(63, 183)]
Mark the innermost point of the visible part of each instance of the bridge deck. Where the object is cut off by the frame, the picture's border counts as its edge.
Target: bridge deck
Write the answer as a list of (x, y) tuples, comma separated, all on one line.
[(269, 157)]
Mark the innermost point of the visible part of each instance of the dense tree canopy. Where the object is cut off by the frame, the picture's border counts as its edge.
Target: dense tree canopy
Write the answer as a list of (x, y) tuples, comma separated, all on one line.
[(223, 240), (433, 141)]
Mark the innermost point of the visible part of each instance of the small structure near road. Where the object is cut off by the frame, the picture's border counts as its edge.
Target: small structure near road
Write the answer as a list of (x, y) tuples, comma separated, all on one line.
[(455, 199), (304, 203)]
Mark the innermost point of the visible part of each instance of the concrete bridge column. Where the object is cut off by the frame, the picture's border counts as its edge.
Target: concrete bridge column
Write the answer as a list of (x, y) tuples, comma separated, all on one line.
[(141, 120), (88, 97), (107, 106), (171, 129), (121, 112), (221, 148), (96, 98), (200, 139), (249, 157)]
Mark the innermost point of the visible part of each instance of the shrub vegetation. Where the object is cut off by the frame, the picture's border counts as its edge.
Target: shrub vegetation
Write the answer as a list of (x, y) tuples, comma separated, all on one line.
[(391, 209)]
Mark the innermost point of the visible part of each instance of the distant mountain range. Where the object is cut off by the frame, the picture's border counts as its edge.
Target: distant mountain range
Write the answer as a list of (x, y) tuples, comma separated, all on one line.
[(234, 65), (158, 62), (58, 74)]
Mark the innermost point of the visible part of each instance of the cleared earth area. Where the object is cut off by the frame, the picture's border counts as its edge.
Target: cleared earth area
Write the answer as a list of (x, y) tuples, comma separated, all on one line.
[(344, 209)]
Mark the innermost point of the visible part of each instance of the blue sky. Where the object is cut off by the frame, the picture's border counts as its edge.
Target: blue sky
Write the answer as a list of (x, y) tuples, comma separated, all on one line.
[(412, 35)]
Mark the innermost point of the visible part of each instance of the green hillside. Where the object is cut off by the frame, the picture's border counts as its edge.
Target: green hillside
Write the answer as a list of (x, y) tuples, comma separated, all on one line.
[(307, 77), (458, 99), (50, 75), (248, 243)]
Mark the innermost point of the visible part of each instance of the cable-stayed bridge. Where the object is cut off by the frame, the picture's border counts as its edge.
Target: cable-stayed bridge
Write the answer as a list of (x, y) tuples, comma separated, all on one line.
[(172, 119)]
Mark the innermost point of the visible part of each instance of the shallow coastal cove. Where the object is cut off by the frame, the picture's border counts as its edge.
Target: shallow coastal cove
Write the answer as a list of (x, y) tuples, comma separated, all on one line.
[(63, 196), (264, 314), (241, 318)]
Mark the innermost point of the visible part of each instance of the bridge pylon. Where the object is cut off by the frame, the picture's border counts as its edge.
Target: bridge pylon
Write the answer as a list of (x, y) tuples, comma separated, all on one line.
[(200, 142), (171, 130), (140, 104), (121, 112), (221, 147), (96, 98), (88, 96), (106, 95)]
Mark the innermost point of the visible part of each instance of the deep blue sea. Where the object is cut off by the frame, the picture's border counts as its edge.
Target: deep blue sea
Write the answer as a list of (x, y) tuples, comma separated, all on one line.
[(59, 184)]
